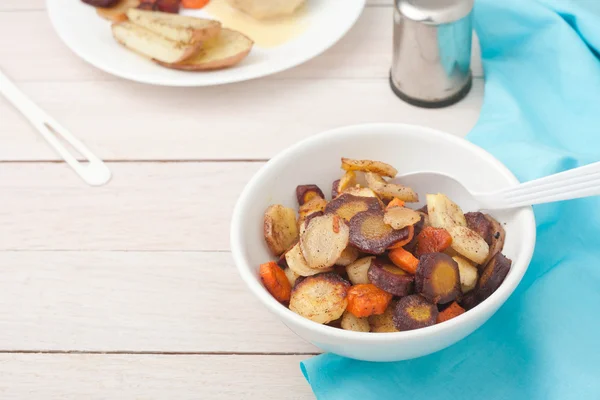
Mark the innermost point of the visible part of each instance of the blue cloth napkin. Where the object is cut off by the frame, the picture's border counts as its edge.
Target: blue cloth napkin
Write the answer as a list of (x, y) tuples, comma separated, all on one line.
[(541, 115)]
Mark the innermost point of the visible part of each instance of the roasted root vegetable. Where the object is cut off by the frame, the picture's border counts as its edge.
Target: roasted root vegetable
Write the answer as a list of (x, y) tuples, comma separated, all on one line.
[(347, 205), (401, 217), (324, 240), (492, 276), (411, 235), (358, 271), (389, 190), (321, 298), (437, 278), (101, 3), (468, 274), (335, 189), (312, 208), (404, 260), (498, 235), (280, 228), (384, 323), (349, 255), (469, 300), (477, 222), (414, 312), (292, 277), (296, 262), (469, 244), (117, 12), (350, 322), (452, 311), (395, 202), (370, 234), (366, 300), (432, 240), (443, 212), (363, 192), (168, 6), (376, 167), (194, 4), (390, 278), (276, 281), (347, 181), (305, 193)]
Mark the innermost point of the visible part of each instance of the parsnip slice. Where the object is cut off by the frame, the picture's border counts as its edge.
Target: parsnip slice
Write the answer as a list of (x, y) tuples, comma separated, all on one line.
[(377, 167), (320, 298), (280, 228), (401, 217), (469, 244), (390, 190), (443, 212), (324, 240)]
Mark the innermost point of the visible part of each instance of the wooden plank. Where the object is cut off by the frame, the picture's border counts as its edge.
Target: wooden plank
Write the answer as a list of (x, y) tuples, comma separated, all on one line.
[(128, 121), (365, 52), (134, 302), (100, 377)]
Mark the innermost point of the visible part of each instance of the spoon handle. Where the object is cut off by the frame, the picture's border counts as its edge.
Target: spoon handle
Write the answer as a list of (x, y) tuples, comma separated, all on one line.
[(94, 172), (572, 184)]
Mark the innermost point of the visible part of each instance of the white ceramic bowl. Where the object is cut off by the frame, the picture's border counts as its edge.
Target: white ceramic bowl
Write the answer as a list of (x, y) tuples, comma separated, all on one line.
[(408, 148)]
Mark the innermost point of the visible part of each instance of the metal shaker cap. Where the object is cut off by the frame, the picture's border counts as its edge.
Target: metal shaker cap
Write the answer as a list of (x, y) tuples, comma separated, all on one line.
[(432, 51)]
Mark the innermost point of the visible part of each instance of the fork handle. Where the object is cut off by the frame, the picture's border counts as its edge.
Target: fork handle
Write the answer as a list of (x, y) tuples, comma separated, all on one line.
[(94, 173), (572, 184)]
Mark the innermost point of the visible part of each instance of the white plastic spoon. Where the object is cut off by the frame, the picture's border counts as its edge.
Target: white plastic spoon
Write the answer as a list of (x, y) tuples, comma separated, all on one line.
[(572, 184), (94, 173)]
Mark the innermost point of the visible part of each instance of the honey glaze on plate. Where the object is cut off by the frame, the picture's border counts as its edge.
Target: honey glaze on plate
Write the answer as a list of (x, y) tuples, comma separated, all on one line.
[(265, 33)]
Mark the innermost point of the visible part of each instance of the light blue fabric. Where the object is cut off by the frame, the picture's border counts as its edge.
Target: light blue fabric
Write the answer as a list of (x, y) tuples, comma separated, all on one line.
[(541, 115)]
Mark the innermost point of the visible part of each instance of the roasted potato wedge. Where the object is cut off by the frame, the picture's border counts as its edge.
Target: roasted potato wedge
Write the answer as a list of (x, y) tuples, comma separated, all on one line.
[(477, 222), (438, 278), (296, 262), (414, 312), (370, 234), (321, 298), (280, 228), (390, 278), (324, 240), (493, 275), (353, 323), (469, 244), (468, 274), (401, 217), (358, 271), (349, 255), (384, 323), (389, 190), (305, 193), (498, 236), (347, 205), (443, 212), (376, 167)]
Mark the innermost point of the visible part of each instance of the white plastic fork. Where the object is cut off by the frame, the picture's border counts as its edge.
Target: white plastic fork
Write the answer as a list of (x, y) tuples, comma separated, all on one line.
[(94, 173), (572, 184)]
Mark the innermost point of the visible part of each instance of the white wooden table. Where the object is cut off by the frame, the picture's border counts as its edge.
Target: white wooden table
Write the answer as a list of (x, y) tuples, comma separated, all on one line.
[(129, 291)]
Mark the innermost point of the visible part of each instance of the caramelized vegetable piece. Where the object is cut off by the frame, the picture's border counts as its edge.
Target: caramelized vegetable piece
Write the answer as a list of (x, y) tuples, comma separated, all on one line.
[(493, 275), (118, 11), (370, 234), (432, 240), (469, 300), (366, 300), (401, 217), (453, 310), (437, 278), (324, 240), (296, 262), (404, 260), (275, 281), (377, 167), (280, 228), (390, 278), (443, 212), (468, 274), (477, 222), (352, 323), (292, 277), (347, 181), (311, 209), (411, 235), (101, 3), (335, 189), (390, 190), (414, 312), (358, 271), (498, 236), (384, 323), (396, 202), (321, 298), (347, 205), (469, 244), (363, 192), (349, 255), (305, 193), (168, 6)]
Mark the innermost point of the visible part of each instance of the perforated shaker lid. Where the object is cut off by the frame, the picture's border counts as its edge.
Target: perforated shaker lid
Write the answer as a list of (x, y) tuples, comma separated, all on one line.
[(435, 12)]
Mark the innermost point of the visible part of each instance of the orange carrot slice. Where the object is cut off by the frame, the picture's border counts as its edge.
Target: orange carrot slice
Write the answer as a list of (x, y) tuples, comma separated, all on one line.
[(453, 310), (275, 281), (403, 259), (367, 299), (194, 3), (411, 234)]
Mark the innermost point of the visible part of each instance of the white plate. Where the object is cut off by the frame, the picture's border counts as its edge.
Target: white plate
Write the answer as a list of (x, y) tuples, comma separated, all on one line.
[(89, 36)]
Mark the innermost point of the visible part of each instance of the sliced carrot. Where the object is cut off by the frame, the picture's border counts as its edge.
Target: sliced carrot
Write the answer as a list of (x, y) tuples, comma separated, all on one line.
[(396, 202), (432, 240), (367, 299), (403, 259), (453, 310), (194, 3), (275, 281), (411, 234)]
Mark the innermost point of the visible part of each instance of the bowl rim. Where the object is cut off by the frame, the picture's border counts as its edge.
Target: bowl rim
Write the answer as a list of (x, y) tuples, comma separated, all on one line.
[(484, 308)]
